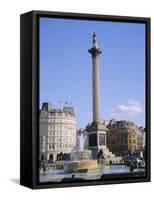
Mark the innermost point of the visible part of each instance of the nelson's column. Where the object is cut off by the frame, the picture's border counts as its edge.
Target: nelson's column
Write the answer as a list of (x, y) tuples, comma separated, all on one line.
[(96, 130)]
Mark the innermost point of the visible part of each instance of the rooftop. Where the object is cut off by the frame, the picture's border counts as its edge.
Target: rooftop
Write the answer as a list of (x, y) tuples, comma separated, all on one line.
[(46, 106)]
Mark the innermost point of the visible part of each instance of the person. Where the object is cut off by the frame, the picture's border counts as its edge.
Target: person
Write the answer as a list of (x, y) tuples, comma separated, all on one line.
[(44, 167), (100, 155)]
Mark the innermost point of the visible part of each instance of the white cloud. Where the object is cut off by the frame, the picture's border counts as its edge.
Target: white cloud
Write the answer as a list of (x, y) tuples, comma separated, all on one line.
[(133, 102), (132, 108)]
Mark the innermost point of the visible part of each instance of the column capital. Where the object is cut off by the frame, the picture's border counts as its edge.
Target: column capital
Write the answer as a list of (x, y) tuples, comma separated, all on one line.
[(95, 51)]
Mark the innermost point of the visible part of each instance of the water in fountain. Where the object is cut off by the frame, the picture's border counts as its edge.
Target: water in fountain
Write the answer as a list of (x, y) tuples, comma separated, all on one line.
[(81, 153), (80, 141)]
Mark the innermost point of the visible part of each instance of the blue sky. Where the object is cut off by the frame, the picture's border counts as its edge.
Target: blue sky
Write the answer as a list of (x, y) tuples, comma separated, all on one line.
[(66, 67)]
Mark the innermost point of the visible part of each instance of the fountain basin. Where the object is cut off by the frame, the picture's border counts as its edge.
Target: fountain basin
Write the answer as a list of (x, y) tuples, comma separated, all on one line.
[(81, 155), (83, 166)]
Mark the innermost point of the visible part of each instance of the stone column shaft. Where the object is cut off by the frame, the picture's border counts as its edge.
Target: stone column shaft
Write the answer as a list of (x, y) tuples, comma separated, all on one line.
[(96, 88)]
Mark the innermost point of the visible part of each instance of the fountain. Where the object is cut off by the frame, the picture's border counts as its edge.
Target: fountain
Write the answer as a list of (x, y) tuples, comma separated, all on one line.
[(81, 159)]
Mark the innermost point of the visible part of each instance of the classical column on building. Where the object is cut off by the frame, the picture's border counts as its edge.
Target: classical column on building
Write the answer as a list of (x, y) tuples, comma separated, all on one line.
[(96, 130)]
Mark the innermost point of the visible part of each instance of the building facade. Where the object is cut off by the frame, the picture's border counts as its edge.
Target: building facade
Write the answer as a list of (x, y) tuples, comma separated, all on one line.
[(124, 136), (58, 129), (141, 138)]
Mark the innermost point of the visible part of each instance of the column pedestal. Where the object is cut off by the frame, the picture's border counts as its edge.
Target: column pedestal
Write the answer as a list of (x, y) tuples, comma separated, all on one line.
[(97, 138)]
